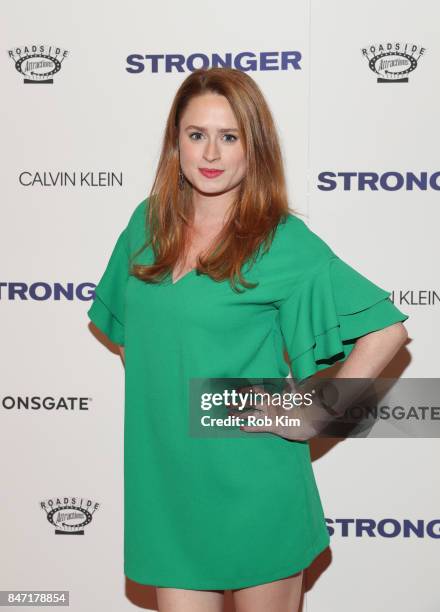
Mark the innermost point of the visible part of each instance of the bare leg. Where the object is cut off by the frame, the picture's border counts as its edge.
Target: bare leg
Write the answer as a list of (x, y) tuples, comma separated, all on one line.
[(277, 596), (187, 600)]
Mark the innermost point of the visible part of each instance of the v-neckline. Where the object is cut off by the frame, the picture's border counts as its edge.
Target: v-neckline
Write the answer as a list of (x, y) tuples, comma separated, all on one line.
[(182, 278)]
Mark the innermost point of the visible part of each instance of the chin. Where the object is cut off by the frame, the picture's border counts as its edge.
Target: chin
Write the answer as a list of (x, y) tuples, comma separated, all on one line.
[(209, 188), (211, 192)]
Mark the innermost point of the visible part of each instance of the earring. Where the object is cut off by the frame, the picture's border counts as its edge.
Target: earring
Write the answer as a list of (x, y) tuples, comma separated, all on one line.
[(181, 180)]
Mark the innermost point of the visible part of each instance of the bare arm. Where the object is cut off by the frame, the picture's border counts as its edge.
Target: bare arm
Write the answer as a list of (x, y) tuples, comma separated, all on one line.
[(373, 352), (122, 352), (366, 361), (370, 354)]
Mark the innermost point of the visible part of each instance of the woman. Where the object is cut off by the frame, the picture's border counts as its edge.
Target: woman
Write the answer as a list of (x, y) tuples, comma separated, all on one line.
[(212, 277)]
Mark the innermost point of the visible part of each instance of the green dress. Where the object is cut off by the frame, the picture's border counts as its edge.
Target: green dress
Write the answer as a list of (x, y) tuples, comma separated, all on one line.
[(225, 512)]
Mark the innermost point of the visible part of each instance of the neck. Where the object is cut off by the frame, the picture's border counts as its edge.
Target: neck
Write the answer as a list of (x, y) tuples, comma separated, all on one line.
[(211, 209)]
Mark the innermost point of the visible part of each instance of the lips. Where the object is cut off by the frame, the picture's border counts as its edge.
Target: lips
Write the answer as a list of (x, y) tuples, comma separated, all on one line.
[(210, 173)]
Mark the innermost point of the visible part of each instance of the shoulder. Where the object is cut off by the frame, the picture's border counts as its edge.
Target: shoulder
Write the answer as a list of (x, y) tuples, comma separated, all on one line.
[(295, 255), (136, 226), (297, 245), (138, 214)]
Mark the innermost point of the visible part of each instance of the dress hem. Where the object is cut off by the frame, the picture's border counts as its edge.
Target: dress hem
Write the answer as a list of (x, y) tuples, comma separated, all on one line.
[(284, 572)]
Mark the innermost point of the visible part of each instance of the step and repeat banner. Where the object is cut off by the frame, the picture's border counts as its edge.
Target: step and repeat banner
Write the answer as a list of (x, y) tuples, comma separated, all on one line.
[(354, 90)]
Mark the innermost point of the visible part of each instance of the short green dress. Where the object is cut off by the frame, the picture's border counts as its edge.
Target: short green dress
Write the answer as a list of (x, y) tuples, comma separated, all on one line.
[(225, 512)]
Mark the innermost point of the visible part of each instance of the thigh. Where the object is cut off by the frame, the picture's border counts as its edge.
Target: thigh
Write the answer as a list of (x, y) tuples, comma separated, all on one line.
[(278, 596), (187, 600)]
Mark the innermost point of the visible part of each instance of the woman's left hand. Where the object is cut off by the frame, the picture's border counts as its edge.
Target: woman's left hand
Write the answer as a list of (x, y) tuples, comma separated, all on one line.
[(299, 423)]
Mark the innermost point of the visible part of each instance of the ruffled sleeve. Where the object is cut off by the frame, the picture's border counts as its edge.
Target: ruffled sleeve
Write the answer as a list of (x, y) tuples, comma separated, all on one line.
[(322, 318), (108, 307)]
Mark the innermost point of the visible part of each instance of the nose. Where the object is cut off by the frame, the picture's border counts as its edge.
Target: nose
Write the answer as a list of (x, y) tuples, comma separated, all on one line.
[(211, 152)]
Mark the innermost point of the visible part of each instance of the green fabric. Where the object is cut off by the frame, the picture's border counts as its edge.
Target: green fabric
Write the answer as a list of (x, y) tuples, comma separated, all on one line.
[(107, 310), (325, 315), (224, 513)]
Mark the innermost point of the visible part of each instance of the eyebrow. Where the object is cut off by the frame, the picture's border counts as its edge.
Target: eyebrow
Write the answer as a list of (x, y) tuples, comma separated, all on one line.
[(201, 129)]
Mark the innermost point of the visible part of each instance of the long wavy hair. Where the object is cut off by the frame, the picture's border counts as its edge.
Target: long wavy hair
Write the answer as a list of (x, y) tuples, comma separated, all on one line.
[(261, 201)]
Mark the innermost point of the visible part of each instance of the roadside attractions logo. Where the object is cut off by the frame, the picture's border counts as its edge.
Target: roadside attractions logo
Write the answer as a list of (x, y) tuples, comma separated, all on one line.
[(38, 63), (392, 62), (69, 515)]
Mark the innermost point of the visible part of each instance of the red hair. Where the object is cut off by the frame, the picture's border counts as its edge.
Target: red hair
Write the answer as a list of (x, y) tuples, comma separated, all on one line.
[(261, 201)]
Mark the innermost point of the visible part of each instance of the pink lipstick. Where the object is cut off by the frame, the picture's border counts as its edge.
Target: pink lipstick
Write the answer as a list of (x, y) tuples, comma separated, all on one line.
[(210, 173)]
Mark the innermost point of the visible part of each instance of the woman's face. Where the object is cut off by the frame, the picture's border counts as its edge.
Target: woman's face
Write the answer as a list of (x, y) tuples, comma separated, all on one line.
[(209, 140)]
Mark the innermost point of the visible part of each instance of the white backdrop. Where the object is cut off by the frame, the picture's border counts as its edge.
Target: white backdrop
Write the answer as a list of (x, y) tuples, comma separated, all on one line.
[(96, 117)]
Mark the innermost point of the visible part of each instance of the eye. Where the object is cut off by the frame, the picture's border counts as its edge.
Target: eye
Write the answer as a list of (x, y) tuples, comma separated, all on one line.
[(227, 136), (194, 134)]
